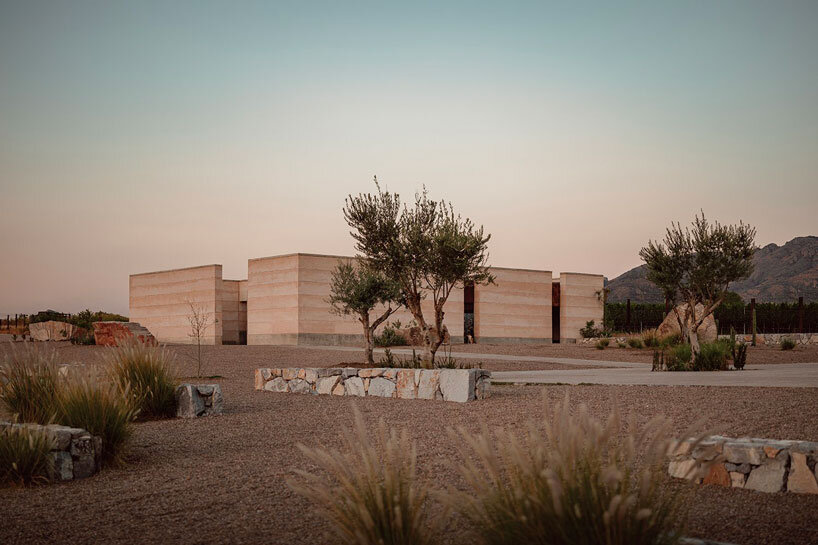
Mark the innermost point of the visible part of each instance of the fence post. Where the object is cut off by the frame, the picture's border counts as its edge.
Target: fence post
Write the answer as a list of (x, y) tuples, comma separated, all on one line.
[(800, 315), (753, 314), (628, 317)]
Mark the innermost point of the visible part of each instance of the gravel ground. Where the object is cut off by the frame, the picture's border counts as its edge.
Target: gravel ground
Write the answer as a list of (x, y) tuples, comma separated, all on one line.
[(221, 479)]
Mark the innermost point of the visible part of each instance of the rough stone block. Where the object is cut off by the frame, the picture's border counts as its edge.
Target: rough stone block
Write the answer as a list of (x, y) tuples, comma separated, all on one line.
[(300, 386), (193, 400), (744, 452), (717, 475), (456, 385), (737, 479), (325, 385), (369, 373), (289, 374), (381, 387), (683, 469), (405, 384), (429, 383), (801, 480), (62, 468), (278, 384), (767, 478), (354, 386)]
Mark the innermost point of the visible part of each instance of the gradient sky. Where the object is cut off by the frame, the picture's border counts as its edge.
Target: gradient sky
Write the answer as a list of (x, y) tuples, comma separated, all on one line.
[(153, 135)]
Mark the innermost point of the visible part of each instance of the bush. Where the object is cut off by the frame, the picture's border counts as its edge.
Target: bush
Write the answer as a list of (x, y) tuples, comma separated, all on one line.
[(589, 331), (373, 495), (678, 358), (739, 355), (28, 382), (712, 356), (390, 336), (103, 409), (650, 339), (787, 344), (578, 483), (673, 339), (84, 338), (633, 342), (147, 373), (24, 455), (602, 344)]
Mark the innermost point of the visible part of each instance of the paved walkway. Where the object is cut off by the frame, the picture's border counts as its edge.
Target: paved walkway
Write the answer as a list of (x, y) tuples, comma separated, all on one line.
[(791, 375)]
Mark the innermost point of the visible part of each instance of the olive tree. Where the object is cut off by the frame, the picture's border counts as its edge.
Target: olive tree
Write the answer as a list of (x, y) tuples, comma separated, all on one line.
[(427, 248), (357, 290), (695, 265)]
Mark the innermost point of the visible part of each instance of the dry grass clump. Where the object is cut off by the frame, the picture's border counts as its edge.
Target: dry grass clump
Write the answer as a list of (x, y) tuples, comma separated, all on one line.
[(102, 408), (372, 496), (28, 384), (579, 483), (147, 373), (24, 455)]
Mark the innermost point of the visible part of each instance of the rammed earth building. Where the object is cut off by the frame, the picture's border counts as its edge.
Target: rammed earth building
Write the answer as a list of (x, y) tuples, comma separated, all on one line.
[(284, 301)]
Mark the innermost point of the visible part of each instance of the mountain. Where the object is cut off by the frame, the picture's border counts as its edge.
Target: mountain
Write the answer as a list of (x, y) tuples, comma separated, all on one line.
[(782, 274)]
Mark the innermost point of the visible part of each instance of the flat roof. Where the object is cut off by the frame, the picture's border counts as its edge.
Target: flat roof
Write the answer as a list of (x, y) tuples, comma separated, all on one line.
[(177, 269)]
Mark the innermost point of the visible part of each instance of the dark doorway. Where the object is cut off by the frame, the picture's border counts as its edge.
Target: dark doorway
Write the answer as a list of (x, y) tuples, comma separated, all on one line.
[(555, 312), (468, 314)]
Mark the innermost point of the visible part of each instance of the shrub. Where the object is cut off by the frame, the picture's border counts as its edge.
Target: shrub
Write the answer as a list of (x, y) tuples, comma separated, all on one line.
[(678, 358), (602, 344), (673, 339), (787, 344), (147, 373), (712, 356), (28, 382), (103, 409), (739, 355), (390, 336), (650, 339), (620, 344), (24, 455), (373, 495), (589, 331), (84, 338), (577, 483), (633, 342)]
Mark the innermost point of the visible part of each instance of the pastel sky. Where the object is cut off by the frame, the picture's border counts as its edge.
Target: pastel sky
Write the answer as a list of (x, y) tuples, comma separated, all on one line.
[(152, 135)]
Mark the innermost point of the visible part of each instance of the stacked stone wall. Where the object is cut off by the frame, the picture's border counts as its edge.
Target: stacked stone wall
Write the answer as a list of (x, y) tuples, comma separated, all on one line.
[(76, 453), (765, 465), (459, 385)]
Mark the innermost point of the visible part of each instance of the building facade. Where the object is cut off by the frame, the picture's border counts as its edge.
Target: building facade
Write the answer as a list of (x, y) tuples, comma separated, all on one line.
[(284, 301)]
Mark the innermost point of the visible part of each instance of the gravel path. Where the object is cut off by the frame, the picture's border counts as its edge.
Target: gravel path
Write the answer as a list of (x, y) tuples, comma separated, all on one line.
[(221, 479)]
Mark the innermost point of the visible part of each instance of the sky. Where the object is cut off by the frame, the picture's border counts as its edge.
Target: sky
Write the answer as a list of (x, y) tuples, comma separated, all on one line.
[(148, 135)]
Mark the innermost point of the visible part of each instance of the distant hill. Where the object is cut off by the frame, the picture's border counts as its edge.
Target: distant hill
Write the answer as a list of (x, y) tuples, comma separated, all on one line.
[(782, 274)]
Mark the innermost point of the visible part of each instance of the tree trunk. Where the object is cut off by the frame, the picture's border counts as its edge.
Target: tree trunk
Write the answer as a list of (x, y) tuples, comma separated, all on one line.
[(368, 333), (693, 337)]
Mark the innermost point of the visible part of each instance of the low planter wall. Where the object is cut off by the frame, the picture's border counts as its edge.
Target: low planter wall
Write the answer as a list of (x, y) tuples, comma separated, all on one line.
[(765, 465), (459, 385), (76, 452)]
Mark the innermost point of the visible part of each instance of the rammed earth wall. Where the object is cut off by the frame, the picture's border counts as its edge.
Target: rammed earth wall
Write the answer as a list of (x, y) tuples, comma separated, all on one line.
[(459, 385), (765, 465)]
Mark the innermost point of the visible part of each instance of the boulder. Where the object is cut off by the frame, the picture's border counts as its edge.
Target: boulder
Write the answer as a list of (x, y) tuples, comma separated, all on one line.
[(456, 385), (54, 331), (670, 325), (110, 333), (801, 479), (767, 478), (194, 400), (355, 387), (381, 387)]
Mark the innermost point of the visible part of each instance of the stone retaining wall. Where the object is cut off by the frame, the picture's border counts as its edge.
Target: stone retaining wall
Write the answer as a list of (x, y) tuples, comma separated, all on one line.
[(460, 385), (766, 465), (76, 453)]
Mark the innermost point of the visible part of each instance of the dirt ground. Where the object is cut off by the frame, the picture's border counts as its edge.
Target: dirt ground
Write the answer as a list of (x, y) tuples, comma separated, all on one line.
[(221, 479)]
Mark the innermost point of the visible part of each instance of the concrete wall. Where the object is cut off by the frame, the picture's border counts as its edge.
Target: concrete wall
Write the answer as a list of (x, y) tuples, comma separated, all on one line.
[(286, 304), (161, 302), (579, 302), (517, 309)]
